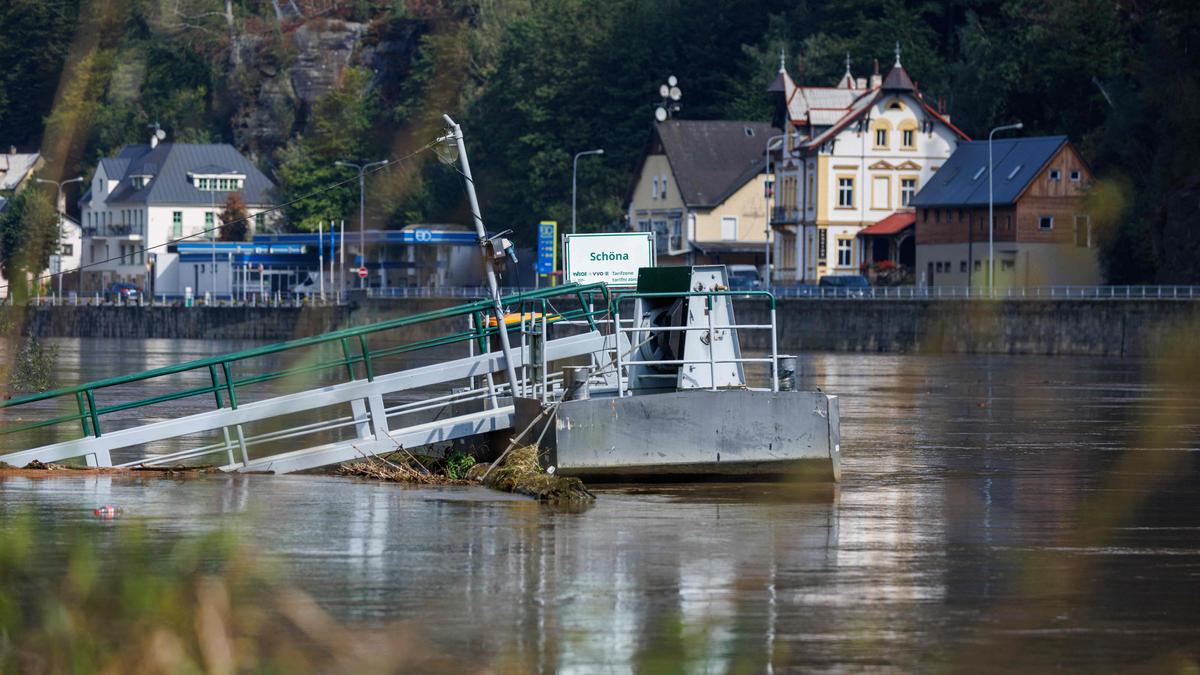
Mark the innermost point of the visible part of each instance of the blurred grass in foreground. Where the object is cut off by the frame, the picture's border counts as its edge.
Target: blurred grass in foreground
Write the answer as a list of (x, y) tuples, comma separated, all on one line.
[(107, 600)]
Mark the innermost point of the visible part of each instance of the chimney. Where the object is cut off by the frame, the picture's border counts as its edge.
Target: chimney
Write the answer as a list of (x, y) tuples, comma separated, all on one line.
[(153, 141), (876, 78), (12, 149), (861, 83)]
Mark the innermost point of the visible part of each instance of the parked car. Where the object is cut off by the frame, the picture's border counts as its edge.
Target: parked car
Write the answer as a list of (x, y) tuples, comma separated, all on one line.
[(124, 292), (744, 277), (844, 285)]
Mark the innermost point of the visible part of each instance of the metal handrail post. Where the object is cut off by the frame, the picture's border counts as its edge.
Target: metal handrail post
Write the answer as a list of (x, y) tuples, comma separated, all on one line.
[(712, 364), (774, 352), (617, 347)]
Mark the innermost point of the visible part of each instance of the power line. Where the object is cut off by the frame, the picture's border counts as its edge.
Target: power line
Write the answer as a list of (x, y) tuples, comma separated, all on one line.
[(200, 233)]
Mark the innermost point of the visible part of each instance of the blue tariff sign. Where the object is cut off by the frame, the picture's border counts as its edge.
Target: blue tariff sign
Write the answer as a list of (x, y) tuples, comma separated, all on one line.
[(547, 246)]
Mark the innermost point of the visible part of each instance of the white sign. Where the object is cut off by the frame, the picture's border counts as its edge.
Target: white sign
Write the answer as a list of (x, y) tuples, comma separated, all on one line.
[(610, 258)]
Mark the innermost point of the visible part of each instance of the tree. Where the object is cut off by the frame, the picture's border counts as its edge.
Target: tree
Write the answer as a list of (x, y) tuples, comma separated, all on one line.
[(235, 224), (28, 237)]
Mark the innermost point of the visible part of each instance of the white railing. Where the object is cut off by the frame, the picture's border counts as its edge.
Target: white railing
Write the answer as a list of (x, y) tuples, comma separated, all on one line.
[(710, 328), (981, 293)]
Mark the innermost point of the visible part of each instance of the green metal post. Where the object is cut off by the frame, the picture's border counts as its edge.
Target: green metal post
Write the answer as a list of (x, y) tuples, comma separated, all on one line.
[(229, 385), (349, 359), (83, 420), (91, 399), (212, 373), (366, 354)]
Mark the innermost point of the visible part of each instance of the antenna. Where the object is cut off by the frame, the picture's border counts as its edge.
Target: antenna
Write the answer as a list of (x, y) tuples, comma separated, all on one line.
[(670, 93)]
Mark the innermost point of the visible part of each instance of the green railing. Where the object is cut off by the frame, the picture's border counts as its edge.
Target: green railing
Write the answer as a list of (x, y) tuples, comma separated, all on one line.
[(354, 351)]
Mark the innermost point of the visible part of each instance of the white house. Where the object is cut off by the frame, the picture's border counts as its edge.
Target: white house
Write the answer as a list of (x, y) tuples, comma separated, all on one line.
[(149, 195), (856, 153)]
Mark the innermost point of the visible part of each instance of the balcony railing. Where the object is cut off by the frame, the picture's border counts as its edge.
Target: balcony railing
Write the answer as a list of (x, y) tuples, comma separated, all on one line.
[(114, 230), (785, 216)]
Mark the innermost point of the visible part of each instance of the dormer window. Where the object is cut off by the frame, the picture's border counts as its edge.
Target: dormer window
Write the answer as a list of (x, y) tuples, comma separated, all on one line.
[(218, 182), (140, 182)]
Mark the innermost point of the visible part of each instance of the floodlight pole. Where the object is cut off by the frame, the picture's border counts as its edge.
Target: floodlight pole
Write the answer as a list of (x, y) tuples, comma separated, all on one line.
[(489, 264), (991, 218), (574, 183)]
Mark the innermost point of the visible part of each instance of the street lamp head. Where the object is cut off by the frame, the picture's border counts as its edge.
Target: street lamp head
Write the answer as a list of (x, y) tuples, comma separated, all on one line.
[(1019, 125)]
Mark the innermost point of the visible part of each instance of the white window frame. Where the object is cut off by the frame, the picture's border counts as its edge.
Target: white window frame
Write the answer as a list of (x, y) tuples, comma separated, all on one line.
[(907, 193), (654, 188), (848, 249), (1055, 175), (1042, 222), (845, 193), (727, 221)]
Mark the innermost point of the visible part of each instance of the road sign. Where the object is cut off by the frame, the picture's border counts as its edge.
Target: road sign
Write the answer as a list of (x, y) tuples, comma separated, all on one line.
[(611, 258), (362, 273), (547, 247)]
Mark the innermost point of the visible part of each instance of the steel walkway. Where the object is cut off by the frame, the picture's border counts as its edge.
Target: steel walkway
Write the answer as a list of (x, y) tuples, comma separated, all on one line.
[(357, 420)]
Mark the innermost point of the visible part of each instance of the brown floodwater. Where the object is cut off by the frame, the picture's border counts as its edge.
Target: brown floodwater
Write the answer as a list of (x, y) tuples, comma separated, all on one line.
[(995, 513)]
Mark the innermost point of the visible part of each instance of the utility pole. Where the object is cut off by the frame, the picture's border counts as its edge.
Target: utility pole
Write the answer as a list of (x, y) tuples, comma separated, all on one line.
[(484, 245), (61, 208), (362, 231)]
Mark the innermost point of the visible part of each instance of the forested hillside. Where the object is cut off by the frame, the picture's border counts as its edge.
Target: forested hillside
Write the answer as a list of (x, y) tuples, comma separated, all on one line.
[(299, 85)]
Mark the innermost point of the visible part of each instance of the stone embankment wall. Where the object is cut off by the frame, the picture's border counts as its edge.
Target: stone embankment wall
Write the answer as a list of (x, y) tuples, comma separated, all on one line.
[(1077, 327)]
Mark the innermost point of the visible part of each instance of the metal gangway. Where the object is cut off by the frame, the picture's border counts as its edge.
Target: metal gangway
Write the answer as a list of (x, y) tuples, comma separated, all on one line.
[(349, 394)]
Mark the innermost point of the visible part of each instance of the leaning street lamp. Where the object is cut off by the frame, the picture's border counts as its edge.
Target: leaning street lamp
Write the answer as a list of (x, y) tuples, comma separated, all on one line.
[(991, 218)]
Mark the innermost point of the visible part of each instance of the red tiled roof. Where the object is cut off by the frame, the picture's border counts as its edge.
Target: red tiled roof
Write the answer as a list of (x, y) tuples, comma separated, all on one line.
[(893, 224)]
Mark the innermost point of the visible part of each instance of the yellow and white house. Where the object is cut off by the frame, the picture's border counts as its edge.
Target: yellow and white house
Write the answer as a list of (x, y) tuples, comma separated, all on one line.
[(701, 190), (855, 154)]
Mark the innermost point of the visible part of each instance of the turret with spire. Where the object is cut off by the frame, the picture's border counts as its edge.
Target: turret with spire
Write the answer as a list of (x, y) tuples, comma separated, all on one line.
[(897, 78)]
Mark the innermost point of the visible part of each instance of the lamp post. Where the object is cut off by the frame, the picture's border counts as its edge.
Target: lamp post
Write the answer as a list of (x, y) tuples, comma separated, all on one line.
[(61, 208), (991, 218), (767, 204), (457, 153), (362, 228), (574, 173)]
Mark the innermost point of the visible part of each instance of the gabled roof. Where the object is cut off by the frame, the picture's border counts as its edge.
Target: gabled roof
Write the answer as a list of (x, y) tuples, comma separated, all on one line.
[(963, 180), (169, 165), (14, 168), (712, 159)]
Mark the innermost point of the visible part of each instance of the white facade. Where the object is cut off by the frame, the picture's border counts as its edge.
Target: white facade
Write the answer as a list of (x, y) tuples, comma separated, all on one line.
[(860, 151), (128, 220)]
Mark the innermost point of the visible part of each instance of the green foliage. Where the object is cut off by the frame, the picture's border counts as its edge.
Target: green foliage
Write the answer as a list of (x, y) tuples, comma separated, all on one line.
[(28, 237), (535, 82), (33, 367), (458, 464), (36, 36)]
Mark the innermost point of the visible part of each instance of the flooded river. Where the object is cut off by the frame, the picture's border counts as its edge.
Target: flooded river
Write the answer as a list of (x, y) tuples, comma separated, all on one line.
[(995, 513)]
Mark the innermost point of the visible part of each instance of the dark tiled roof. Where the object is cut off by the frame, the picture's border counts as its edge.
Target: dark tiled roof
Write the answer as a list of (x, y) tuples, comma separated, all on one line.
[(712, 159), (170, 164), (898, 80), (962, 180)]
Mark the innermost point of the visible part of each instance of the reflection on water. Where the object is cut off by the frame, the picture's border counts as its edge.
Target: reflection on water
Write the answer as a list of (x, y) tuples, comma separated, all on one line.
[(959, 538)]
